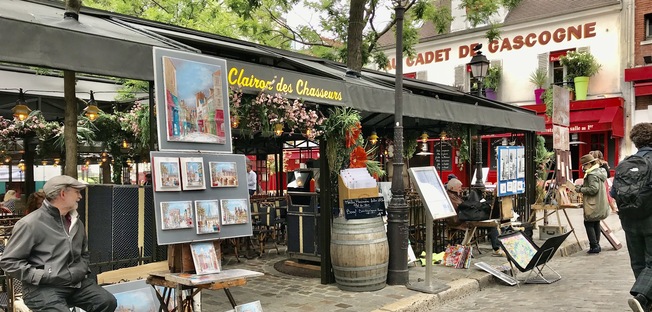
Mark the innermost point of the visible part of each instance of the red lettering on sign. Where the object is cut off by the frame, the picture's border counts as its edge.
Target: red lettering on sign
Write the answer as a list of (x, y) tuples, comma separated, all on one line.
[(429, 57), (589, 30), (493, 46), (464, 51), (518, 42), (506, 45), (529, 38), (574, 32), (558, 35), (544, 37)]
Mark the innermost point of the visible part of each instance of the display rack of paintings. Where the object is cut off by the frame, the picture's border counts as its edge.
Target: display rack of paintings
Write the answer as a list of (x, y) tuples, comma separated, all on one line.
[(206, 258), (235, 211), (176, 215), (223, 174), (192, 173), (167, 176), (208, 216), (511, 170)]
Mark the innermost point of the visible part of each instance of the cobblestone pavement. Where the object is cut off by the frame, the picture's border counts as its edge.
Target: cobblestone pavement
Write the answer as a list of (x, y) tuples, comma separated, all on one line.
[(589, 283)]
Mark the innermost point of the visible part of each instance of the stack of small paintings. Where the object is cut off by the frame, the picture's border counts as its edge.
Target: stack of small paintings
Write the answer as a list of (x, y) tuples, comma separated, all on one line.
[(234, 211), (223, 174), (206, 258), (208, 216)]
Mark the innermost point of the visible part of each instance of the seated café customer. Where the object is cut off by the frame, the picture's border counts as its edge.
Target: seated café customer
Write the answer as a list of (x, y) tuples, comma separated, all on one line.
[(34, 201), (10, 200), (454, 190), (48, 252)]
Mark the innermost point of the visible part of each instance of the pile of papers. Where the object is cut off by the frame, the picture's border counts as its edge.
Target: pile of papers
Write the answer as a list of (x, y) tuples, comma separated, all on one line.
[(357, 178)]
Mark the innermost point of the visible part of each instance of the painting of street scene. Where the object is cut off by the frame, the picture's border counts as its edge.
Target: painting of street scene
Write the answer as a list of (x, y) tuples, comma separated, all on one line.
[(135, 296), (235, 211), (176, 215), (206, 258), (223, 174), (192, 172), (166, 172), (194, 101), (208, 216)]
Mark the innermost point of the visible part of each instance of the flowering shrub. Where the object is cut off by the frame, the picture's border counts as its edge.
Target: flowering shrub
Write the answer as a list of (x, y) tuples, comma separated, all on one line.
[(580, 64), (34, 125), (261, 113)]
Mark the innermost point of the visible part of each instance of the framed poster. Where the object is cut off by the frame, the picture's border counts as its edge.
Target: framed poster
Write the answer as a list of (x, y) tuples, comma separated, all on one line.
[(167, 177), (235, 211), (223, 174), (137, 296), (432, 192), (207, 213), (176, 215), (192, 173), (511, 170), (205, 257), (192, 101)]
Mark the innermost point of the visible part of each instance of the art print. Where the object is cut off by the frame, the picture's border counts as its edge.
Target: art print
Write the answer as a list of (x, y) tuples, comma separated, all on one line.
[(235, 211), (194, 101), (249, 307), (135, 296), (167, 174), (223, 174), (208, 216), (519, 248), (192, 173), (205, 258), (176, 215)]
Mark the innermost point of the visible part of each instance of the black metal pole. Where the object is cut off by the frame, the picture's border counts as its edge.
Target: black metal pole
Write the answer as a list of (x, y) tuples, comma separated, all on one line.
[(397, 211), (478, 152)]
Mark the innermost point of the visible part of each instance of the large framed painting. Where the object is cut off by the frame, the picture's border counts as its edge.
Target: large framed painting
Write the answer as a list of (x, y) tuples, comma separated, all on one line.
[(208, 216), (192, 173), (223, 174), (192, 98), (167, 176), (176, 215), (234, 211)]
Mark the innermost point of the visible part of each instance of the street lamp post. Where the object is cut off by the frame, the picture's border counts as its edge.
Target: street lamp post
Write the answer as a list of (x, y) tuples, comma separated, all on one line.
[(479, 66), (397, 211)]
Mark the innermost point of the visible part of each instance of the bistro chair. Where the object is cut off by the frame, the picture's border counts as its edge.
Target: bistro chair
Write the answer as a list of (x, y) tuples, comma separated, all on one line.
[(265, 227)]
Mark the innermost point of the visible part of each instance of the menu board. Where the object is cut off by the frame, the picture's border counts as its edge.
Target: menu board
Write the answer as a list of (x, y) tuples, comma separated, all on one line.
[(364, 208), (432, 192), (443, 156)]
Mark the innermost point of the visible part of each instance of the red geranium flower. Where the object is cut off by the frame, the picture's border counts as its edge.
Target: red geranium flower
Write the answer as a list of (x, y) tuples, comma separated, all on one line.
[(358, 158)]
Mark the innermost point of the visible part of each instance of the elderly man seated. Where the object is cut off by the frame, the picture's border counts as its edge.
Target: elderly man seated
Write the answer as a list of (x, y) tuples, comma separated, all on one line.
[(454, 190)]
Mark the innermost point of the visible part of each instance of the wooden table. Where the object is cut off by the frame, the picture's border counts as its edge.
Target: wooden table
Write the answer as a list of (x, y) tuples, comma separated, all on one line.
[(555, 209), (194, 284)]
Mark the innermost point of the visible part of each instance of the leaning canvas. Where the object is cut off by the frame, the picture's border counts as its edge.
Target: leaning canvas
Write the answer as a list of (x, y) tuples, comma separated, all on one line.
[(135, 296), (235, 211), (205, 258), (249, 307), (223, 174), (192, 173), (208, 216), (176, 215), (167, 176)]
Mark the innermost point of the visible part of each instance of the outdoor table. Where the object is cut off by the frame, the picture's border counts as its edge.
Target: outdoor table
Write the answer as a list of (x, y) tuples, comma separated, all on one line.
[(195, 284), (555, 209)]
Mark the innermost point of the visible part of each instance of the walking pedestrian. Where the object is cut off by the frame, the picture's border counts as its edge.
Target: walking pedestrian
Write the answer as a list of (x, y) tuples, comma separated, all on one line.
[(596, 205), (638, 231), (251, 180)]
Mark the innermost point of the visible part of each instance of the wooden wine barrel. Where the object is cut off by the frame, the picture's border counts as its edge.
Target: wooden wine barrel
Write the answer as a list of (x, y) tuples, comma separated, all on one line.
[(359, 254)]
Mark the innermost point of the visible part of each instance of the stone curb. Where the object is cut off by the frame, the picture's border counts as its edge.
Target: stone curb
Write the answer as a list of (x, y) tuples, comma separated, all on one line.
[(466, 286)]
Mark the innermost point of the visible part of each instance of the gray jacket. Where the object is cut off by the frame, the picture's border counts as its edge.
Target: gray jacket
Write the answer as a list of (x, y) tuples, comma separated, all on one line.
[(41, 252)]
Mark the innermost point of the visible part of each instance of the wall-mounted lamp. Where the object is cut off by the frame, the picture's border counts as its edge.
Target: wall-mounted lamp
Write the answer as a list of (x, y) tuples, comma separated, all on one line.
[(442, 135), (373, 138), (56, 161), (21, 111), (92, 111), (44, 162), (424, 137), (278, 129)]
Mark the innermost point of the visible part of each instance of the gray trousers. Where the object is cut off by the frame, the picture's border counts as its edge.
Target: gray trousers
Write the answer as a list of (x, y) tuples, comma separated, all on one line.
[(639, 245), (90, 297)]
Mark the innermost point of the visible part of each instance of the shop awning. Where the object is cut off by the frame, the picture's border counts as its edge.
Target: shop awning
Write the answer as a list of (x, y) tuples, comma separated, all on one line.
[(591, 116)]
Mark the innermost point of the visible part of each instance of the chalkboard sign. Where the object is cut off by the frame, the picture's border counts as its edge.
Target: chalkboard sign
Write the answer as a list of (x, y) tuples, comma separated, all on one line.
[(443, 156), (364, 208)]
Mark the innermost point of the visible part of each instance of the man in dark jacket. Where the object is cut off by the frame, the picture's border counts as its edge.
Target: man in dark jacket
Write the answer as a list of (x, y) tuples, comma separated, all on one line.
[(48, 253), (638, 232)]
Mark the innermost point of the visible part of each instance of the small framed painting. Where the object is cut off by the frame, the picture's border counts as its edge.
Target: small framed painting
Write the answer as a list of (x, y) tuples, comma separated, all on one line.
[(192, 173), (208, 216), (205, 258), (254, 306), (167, 174), (135, 296), (176, 215), (223, 174), (235, 211)]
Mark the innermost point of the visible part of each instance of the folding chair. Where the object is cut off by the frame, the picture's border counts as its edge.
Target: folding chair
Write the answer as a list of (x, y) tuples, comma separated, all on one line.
[(526, 256)]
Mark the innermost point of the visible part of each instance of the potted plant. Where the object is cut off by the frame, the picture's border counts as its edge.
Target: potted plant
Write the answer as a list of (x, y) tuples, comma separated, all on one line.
[(580, 66), (492, 81), (539, 78)]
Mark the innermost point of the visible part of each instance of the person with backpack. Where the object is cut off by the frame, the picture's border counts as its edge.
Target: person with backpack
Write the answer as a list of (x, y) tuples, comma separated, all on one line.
[(596, 205), (633, 193)]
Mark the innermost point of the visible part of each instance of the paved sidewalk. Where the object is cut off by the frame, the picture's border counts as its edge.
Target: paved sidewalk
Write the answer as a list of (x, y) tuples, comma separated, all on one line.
[(279, 292)]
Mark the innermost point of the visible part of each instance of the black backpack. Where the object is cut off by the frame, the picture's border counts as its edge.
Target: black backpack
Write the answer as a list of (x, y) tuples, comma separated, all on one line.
[(633, 187)]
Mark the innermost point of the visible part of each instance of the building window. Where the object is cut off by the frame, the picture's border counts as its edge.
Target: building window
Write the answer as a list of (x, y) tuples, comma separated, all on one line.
[(648, 26), (558, 73)]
